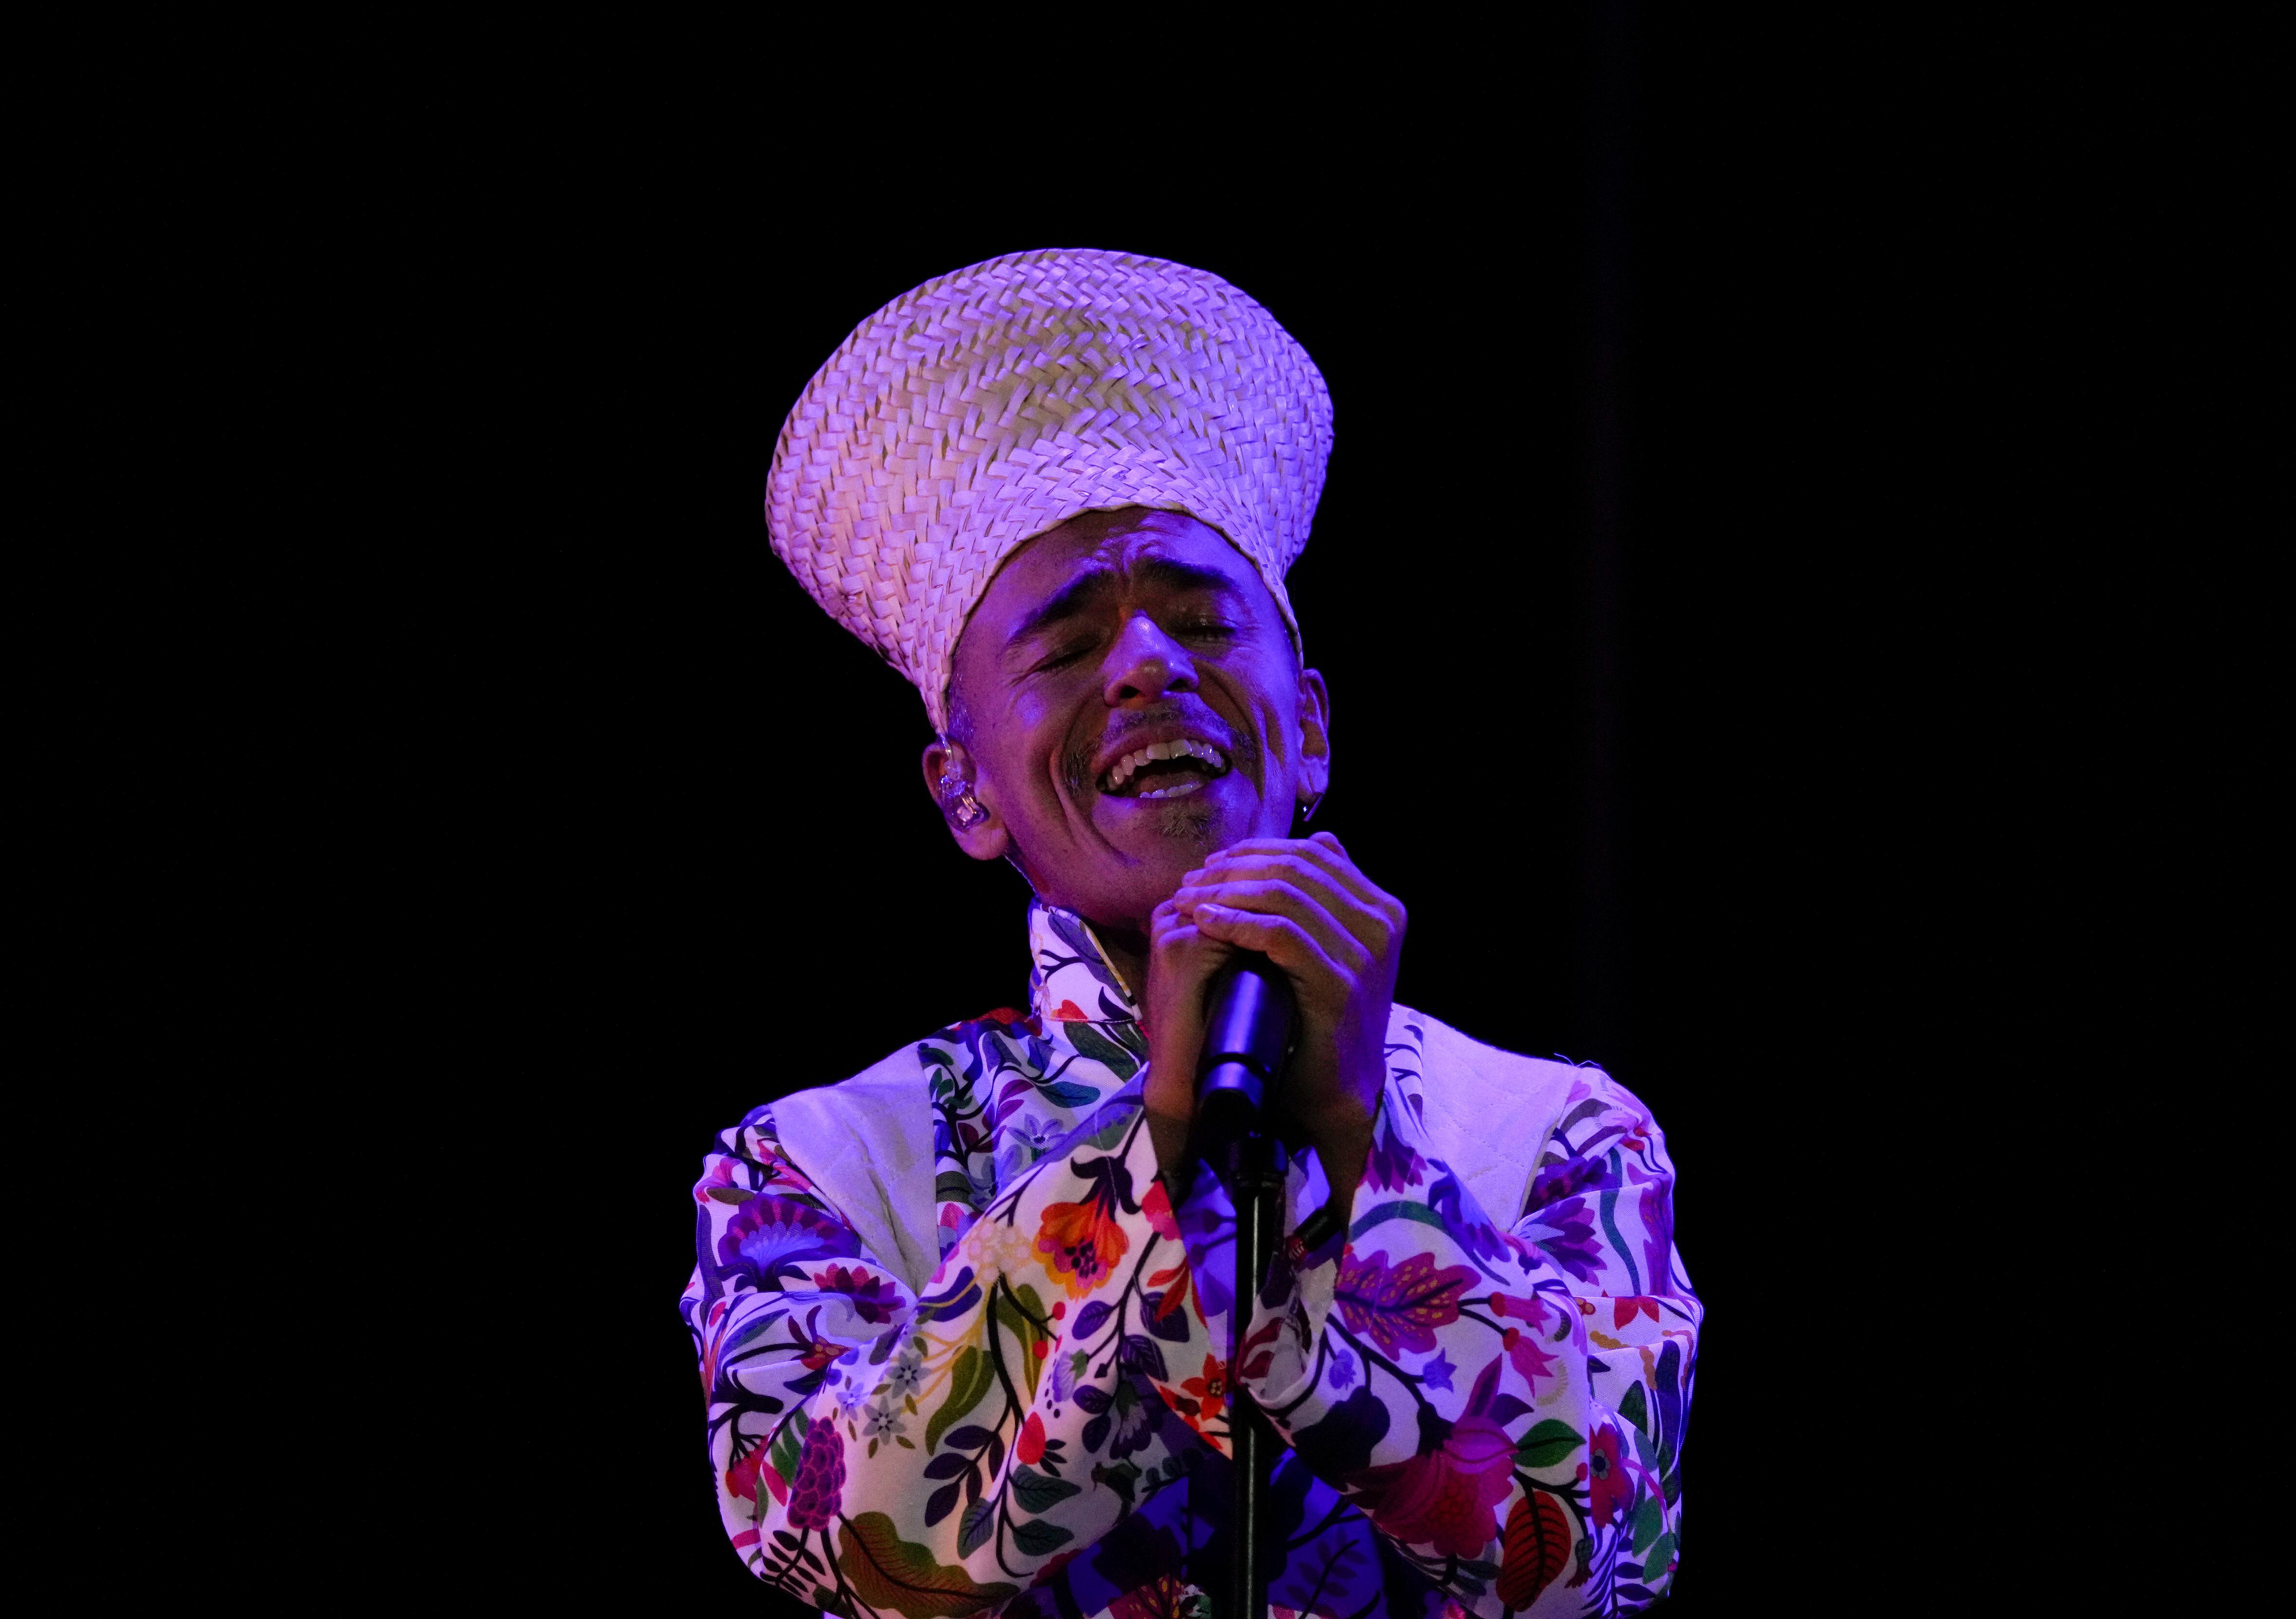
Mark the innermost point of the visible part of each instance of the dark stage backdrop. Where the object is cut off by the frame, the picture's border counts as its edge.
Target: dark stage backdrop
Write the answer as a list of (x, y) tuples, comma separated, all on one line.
[(1662, 582)]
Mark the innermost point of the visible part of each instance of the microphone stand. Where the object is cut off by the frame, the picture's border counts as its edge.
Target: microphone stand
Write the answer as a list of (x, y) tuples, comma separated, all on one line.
[(1246, 1042)]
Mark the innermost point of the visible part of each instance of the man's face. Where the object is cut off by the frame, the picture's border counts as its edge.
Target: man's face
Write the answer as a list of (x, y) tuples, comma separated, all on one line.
[(1112, 637)]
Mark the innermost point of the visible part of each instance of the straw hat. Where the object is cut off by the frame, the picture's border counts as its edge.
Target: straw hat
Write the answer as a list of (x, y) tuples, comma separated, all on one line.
[(981, 409)]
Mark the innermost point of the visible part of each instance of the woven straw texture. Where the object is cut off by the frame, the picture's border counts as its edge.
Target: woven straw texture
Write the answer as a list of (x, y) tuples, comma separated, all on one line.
[(981, 409)]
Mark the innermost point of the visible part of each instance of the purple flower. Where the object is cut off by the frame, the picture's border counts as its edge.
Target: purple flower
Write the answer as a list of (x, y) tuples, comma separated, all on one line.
[(769, 1235), (1343, 1369), (819, 1489), (1565, 1231), (1437, 1372)]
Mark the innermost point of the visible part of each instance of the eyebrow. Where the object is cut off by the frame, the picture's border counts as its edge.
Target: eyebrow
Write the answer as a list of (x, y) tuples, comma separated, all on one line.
[(1085, 589)]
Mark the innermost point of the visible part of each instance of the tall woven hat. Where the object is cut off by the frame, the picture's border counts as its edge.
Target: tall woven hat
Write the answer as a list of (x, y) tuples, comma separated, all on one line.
[(975, 411)]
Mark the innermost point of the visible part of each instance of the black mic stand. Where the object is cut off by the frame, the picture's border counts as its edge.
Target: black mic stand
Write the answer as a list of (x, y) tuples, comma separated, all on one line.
[(1246, 1042)]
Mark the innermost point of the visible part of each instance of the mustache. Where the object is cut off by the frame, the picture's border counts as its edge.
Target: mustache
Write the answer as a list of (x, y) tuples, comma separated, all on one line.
[(1242, 750)]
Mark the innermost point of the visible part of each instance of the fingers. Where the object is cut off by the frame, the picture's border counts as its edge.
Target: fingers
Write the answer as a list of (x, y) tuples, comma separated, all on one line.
[(1279, 938), (1308, 882), (1322, 852), (1277, 896)]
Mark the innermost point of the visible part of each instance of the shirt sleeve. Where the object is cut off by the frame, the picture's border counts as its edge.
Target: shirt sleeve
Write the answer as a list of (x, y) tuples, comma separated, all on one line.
[(937, 1453), (1506, 1403)]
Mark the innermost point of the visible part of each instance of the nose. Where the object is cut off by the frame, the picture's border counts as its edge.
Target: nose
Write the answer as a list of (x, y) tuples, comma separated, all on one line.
[(1144, 665)]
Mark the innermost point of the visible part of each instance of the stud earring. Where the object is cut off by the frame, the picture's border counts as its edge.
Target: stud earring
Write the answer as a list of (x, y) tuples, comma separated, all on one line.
[(957, 803), (1308, 809)]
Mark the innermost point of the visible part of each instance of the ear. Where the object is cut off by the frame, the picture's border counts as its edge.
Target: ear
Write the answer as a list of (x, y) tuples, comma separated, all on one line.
[(962, 800), (1315, 736)]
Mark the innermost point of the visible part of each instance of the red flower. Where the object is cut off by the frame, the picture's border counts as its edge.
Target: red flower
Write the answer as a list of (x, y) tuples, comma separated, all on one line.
[(1157, 1206), (1609, 1488), (741, 1477), (1210, 1390), (1625, 1309), (1029, 1447)]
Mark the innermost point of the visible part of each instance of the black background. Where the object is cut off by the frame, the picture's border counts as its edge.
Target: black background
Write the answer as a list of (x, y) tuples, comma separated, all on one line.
[(1730, 581)]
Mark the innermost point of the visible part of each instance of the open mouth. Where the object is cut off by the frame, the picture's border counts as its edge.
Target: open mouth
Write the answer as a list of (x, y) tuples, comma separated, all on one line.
[(1164, 770)]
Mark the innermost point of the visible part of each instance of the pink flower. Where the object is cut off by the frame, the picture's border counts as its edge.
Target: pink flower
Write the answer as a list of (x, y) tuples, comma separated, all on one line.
[(1446, 1497), (873, 1298)]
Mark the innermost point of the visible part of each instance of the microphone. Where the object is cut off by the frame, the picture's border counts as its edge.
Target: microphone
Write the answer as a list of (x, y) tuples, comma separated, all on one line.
[(1247, 1038)]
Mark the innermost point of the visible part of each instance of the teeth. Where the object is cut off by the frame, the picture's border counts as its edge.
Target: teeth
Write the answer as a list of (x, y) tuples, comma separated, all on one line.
[(1122, 771)]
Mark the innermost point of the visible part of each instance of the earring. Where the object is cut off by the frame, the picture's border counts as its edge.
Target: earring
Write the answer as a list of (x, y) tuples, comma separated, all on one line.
[(1308, 809), (957, 803)]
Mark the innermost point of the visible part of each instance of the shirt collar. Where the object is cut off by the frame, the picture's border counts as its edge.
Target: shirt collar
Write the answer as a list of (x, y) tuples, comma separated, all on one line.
[(1070, 978)]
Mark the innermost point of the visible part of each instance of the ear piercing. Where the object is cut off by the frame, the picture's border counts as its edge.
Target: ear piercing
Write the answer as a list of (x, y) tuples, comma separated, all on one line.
[(957, 803), (1308, 809)]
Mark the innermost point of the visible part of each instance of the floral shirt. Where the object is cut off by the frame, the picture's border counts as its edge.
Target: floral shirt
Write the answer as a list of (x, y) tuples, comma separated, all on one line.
[(1485, 1407)]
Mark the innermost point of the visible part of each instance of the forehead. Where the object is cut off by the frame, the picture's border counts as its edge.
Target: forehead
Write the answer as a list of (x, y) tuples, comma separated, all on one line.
[(1110, 543)]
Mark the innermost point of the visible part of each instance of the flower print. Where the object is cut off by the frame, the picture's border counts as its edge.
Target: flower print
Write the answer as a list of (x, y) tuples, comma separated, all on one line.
[(1446, 1496), (1565, 1231), (1122, 1415), (850, 1397), (717, 1181), (1400, 1309), (1343, 1369), (1061, 1371), (1083, 1240), (905, 1376), (741, 1477), (1393, 1164), (1157, 1206), (1610, 1487), (1068, 1011), (1165, 1597), (1531, 1362), (1522, 1307), (1000, 1248), (875, 1301), (1208, 1393), (1437, 1372), (818, 1489), (769, 1236), (885, 1421)]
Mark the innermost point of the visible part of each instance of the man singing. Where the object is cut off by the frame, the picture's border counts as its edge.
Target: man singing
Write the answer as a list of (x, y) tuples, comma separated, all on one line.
[(963, 1319)]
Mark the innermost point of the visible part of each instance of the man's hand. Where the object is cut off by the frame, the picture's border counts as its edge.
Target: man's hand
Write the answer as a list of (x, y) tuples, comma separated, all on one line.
[(1336, 936)]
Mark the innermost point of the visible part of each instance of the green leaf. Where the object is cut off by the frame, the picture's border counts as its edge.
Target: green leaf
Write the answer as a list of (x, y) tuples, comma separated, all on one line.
[(1645, 1451), (1090, 1042), (1654, 1559), (1650, 1521), (950, 1186), (1397, 1210), (973, 1531), (788, 1443), (972, 1377), (1037, 1492), (1634, 1408), (1017, 1311), (1038, 1538), (888, 1572), (1547, 1444)]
